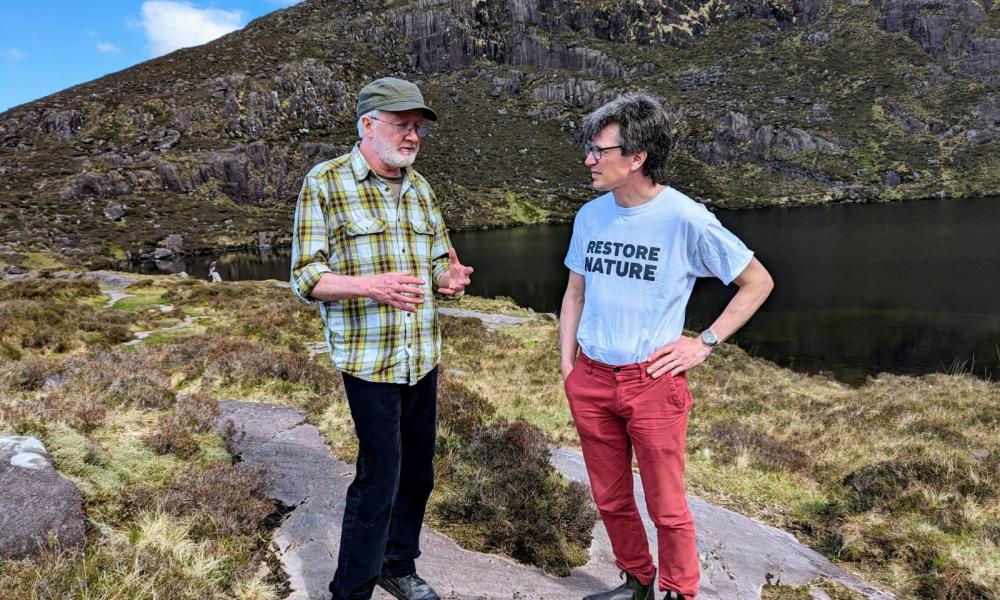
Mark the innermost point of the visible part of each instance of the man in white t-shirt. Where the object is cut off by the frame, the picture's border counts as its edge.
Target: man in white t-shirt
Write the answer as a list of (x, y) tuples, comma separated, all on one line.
[(633, 258)]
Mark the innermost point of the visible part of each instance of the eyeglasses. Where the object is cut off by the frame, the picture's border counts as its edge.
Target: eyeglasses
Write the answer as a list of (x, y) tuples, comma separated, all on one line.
[(405, 128), (596, 151)]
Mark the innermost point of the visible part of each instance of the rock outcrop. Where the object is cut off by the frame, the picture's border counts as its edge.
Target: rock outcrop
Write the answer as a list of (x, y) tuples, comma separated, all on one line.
[(795, 101), (38, 507)]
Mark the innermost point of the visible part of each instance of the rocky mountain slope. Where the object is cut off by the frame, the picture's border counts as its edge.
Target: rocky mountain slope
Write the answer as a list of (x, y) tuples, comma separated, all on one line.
[(774, 102)]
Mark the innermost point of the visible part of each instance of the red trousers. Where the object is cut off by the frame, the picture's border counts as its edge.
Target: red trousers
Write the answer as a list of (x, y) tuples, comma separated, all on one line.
[(618, 410)]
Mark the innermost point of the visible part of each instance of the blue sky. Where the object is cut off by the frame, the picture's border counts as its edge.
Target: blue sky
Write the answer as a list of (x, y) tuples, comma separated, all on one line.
[(50, 45)]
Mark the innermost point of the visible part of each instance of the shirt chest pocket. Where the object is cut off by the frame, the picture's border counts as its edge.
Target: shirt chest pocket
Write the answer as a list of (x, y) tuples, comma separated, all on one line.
[(364, 242), (421, 238)]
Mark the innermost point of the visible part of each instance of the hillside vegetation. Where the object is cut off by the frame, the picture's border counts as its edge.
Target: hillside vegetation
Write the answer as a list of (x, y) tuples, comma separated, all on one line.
[(772, 102), (897, 480)]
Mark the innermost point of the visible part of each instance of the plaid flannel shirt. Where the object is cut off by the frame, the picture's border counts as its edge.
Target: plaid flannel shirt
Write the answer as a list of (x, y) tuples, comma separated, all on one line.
[(348, 223)]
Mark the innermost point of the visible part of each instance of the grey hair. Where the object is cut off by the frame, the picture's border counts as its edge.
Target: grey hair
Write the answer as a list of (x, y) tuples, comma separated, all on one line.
[(643, 125), (372, 114)]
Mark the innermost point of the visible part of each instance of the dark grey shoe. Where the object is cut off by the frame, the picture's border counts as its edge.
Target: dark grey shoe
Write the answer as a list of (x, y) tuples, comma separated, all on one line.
[(407, 587), (672, 595), (630, 590)]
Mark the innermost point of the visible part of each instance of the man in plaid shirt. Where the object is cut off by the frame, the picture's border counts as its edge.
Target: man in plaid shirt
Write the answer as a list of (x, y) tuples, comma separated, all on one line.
[(370, 245)]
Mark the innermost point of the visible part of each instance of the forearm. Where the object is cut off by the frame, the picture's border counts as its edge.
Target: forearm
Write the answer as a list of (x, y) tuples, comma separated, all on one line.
[(569, 321), (332, 287), (743, 305)]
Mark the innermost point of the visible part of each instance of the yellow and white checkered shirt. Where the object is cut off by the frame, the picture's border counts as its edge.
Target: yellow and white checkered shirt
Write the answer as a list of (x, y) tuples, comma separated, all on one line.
[(347, 222)]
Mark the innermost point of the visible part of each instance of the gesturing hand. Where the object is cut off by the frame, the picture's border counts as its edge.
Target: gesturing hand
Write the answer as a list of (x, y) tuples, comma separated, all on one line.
[(677, 357), (456, 277), (395, 289)]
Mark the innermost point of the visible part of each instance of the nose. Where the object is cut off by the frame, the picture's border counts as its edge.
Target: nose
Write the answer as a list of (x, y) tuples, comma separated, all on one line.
[(589, 160), (412, 135)]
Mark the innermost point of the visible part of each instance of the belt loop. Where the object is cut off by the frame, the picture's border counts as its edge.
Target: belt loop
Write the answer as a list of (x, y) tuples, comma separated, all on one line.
[(642, 373)]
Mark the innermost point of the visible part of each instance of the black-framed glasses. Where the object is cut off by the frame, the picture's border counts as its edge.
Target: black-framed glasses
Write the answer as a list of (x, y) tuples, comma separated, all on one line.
[(596, 151), (405, 128)]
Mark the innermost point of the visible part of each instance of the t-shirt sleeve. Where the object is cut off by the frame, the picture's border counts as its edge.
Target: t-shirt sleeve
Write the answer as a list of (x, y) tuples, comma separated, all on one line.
[(574, 256), (719, 253)]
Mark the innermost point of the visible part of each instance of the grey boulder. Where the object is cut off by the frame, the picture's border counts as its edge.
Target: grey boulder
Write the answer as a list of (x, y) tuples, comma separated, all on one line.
[(37, 504)]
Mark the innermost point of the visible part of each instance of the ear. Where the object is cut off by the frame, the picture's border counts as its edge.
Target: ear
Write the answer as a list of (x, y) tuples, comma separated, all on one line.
[(638, 159)]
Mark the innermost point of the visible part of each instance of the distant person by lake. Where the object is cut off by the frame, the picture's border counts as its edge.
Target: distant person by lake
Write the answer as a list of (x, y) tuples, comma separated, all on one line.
[(213, 273)]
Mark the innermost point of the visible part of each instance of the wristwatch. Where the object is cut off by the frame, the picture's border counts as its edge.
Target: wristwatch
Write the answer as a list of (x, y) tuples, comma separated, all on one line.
[(709, 339)]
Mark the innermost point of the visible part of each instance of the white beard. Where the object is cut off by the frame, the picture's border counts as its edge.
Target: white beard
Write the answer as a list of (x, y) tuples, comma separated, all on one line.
[(389, 155)]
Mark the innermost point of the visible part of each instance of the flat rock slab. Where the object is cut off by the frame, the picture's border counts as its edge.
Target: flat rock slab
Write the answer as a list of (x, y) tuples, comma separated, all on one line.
[(486, 318), (36, 502), (305, 476), (738, 554)]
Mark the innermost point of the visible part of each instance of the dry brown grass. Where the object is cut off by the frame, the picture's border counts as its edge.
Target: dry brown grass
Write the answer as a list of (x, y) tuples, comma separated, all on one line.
[(55, 316), (184, 523), (896, 479)]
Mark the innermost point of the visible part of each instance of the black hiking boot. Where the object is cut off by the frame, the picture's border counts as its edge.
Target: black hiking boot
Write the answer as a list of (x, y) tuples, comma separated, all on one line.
[(630, 590), (407, 587)]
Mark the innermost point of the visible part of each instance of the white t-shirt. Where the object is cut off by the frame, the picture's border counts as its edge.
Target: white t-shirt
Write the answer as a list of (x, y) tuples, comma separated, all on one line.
[(639, 266)]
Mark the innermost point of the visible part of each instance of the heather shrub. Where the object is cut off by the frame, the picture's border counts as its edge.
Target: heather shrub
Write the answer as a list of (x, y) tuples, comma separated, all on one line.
[(731, 438), (922, 484), (221, 501), (460, 410), (176, 429), (48, 289), (45, 316), (475, 342), (504, 496)]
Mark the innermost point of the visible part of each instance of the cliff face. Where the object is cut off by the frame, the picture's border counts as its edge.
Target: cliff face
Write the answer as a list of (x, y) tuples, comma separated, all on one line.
[(773, 101)]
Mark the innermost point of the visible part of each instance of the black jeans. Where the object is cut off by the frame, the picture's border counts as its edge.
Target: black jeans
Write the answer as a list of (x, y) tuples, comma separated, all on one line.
[(396, 427)]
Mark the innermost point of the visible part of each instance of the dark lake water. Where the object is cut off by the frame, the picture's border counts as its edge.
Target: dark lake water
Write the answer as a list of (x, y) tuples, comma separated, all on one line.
[(860, 288)]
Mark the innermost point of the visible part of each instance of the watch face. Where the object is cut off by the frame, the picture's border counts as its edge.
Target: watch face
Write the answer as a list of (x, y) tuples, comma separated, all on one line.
[(709, 338)]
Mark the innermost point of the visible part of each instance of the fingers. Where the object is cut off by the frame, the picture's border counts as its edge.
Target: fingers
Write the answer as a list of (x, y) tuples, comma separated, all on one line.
[(447, 291), (405, 279), (662, 367), (401, 306), (404, 302), (670, 359), (663, 351), (412, 291)]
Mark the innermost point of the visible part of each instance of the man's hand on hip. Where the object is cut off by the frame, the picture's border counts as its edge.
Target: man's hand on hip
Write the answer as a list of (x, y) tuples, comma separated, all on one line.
[(677, 357), (395, 289), (566, 369), (456, 277)]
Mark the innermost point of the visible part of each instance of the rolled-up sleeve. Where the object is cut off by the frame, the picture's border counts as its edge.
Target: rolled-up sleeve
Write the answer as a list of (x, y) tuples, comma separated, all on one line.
[(440, 246), (310, 240)]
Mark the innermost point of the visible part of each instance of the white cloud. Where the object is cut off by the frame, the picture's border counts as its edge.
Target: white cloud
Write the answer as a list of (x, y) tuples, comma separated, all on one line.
[(171, 25), (108, 48), (12, 54)]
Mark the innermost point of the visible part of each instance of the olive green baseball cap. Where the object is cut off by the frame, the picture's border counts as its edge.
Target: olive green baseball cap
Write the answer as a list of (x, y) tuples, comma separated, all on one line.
[(392, 94)]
